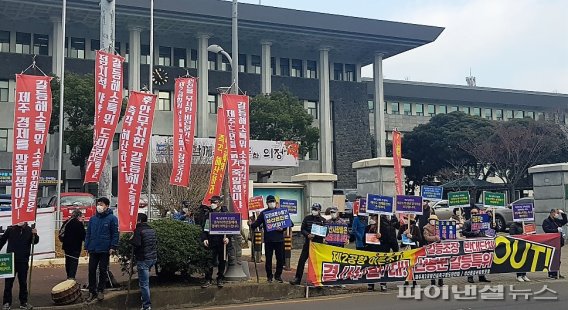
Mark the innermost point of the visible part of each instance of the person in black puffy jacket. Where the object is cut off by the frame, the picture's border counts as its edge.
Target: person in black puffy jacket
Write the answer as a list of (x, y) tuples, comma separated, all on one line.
[(214, 243), (19, 238), (306, 229), (72, 242), (553, 225), (145, 243)]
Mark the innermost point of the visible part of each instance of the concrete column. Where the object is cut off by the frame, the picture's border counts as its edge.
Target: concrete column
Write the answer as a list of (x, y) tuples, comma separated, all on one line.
[(325, 113), (376, 176), (134, 58), (203, 85), (266, 70), (379, 95), (318, 188), (358, 72), (550, 186), (12, 41), (56, 45)]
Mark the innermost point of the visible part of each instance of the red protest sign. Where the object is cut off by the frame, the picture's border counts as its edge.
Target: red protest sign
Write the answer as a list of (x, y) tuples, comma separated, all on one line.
[(219, 159), (32, 113), (238, 139), (108, 98), (185, 109), (256, 203), (397, 160), (134, 144)]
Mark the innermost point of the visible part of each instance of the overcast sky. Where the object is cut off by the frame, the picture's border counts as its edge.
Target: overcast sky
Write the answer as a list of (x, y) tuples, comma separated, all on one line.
[(515, 44)]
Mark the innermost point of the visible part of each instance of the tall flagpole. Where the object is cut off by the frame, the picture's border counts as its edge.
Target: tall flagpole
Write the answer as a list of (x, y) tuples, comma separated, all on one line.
[(151, 92), (61, 95)]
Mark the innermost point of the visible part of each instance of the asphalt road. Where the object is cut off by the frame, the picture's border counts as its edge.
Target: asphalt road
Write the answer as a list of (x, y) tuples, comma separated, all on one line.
[(375, 300)]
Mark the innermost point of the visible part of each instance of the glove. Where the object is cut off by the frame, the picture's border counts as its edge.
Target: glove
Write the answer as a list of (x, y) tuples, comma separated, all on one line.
[(226, 241), (206, 243)]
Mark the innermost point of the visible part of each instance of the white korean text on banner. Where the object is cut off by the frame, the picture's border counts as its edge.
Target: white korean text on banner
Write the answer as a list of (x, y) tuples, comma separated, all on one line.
[(32, 113), (238, 139), (108, 98), (134, 143), (184, 128)]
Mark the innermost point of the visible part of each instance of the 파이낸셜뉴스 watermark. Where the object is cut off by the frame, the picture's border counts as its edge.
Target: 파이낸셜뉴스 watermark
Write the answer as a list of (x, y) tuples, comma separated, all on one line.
[(473, 292)]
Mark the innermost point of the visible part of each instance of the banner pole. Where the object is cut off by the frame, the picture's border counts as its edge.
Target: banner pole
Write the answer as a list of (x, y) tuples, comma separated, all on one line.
[(32, 258)]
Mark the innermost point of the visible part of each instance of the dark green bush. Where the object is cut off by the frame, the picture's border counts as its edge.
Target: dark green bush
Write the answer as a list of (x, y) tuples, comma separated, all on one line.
[(179, 249)]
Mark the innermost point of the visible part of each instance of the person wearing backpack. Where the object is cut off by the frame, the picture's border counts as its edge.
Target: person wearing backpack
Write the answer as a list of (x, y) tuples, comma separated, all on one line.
[(72, 235)]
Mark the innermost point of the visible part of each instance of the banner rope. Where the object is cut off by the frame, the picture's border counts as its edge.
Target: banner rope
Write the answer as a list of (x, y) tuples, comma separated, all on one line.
[(33, 65)]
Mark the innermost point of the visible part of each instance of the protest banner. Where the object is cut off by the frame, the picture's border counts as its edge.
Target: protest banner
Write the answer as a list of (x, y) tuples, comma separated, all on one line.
[(237, 128), (256, 203), (337, 234), (529, 228), (219, 162), (356, 207), (432, 193), (447, 230), (330, 265), (224, 223), (494, 200), (108, 97), (372, 238), (397, 161), (32, 115), (523, 212), (277, 219), (134, 144), (6, 265), (363, 207), (377, 204), (408, 204), (319, 230), (480, 222), (185, 109), (458, 199), (291, 205)]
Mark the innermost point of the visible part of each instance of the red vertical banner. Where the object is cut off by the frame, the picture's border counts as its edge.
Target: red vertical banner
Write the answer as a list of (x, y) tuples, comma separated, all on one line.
[(397, 159), (219, 159), (32, 113), (134, 143), (238, 139), (184, 129), (108, 101)]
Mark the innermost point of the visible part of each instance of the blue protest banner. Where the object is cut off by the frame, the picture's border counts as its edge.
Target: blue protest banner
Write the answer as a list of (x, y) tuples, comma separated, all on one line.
[(277, 219), (447, 230), (224, 223), (363, 206), (480, 222), (432, 193), (523, 212), (409, 204), (291, 205), (377, 204)]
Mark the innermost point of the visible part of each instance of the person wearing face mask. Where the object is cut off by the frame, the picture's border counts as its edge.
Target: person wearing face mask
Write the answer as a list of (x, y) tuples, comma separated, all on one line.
[(101, 241), (431, 235), (307, 223), (553, 225), (19, 238), (336, 220), (469, 233), (273, 243), (215, 244)]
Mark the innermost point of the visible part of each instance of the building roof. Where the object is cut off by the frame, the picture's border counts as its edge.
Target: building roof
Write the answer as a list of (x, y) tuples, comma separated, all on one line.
[(482, 96), (348, 37)]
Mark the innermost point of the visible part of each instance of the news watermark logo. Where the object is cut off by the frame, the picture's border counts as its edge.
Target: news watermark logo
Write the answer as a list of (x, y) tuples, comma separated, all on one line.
[(474, 292)]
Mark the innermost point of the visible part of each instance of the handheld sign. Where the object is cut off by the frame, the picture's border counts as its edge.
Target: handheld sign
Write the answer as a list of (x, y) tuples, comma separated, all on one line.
[(291, 205), (363, 206), (371, 238), (277, 219), (523, 212), (494, 200), (337, 234), (458, 199), (480, 222), (356, 207), (318, 230), (256, 203), (406, 240), (447, 230), (7, 265), (377, 204), (224, 223), (432, 193), (408, 204), (529, 228)]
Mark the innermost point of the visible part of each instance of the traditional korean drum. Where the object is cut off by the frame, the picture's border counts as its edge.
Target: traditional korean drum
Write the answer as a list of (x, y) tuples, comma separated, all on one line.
[(66, 292)]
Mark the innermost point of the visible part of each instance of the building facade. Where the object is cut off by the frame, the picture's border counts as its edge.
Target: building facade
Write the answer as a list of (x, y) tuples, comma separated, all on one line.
[(318, 57)]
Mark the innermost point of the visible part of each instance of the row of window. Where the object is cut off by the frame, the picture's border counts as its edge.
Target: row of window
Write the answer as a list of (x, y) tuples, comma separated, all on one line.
[(38, 44), (420, 109)]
